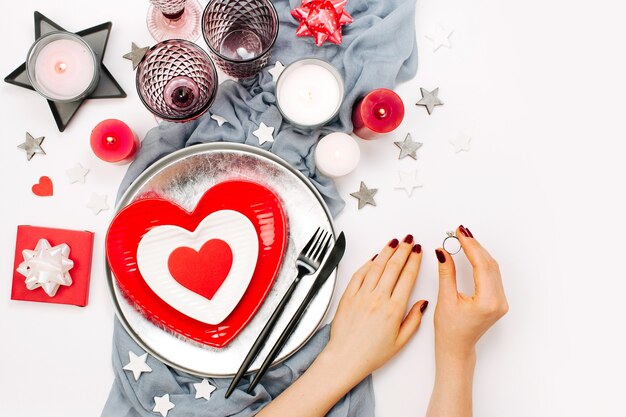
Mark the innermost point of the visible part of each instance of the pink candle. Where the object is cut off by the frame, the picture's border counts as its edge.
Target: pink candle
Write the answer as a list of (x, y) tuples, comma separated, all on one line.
[(380, 111), (113, 141), (62, 67)]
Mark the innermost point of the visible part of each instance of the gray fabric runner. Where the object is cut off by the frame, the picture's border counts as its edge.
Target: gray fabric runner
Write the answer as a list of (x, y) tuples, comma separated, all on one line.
[(378, 50)]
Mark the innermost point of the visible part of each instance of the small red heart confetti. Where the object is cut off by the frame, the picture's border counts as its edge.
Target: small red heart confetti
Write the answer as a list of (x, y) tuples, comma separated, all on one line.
[(43, 188)]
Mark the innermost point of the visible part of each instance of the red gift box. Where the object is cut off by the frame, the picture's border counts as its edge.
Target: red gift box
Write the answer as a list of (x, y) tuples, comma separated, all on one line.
[(81, 248)]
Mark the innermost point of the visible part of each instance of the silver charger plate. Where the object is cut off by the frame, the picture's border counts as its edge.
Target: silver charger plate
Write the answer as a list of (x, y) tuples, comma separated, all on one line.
[(183, 177)]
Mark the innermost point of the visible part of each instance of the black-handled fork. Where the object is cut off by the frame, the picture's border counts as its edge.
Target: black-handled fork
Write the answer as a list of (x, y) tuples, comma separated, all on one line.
[(307, 263)]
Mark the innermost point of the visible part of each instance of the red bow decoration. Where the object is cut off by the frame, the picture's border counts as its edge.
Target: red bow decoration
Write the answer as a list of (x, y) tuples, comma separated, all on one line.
[(322, 19)]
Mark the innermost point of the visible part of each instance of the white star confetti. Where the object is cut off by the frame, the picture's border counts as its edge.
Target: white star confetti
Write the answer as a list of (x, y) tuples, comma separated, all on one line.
[(265, 133), (46, 267), (77, 174), (408, 182), (277, 70), (137, 364), (163, 405), (219, 119), (440, 38), (461, 142), (97, 203), (204, 389)]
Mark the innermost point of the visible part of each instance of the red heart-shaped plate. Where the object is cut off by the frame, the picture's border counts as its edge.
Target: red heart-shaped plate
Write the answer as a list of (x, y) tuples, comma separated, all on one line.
[(260, 205)]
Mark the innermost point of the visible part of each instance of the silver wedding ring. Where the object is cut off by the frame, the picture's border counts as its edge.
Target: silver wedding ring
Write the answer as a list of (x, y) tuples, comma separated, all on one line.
[(451, 244)]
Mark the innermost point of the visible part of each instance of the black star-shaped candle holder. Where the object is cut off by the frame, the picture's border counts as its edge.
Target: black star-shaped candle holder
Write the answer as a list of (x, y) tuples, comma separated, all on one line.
[(97, 38)]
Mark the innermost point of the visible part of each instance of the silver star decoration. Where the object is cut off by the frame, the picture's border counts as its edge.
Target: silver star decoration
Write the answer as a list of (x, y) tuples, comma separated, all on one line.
[(277, 70), (408, 182), (429, 99), (204, 389), (137, 364), (264, 133), (46, 267), (440, 38), (77, 174), (461, 142), (365, 195), (32, 146), (408, 147), (163, 405), (219, 119), (97, 203), (136, 54)]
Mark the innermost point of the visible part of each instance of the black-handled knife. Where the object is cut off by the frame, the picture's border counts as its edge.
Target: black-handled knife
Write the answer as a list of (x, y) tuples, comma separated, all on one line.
[(329, 266)]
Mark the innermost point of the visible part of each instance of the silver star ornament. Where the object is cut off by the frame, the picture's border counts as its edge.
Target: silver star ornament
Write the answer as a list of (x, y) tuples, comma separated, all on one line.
[(408, 147), (430, 100), (136, 54), (365, 195), (32, 146), (46, 267)]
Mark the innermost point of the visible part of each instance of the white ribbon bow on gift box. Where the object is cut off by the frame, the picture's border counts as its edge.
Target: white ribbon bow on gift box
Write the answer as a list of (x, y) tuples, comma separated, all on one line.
[(46, 267)]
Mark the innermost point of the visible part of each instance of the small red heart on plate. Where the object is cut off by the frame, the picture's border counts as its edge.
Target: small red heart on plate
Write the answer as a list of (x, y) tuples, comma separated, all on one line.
[(43, 188), (204, 271), (262, 208)]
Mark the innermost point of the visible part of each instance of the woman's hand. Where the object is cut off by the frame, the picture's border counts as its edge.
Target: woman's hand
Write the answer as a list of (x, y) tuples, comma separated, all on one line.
[(460, 320), (371, 324), (369, 328)]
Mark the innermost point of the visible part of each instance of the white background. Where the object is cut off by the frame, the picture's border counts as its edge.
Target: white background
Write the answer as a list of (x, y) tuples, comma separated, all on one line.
[(538, 85)]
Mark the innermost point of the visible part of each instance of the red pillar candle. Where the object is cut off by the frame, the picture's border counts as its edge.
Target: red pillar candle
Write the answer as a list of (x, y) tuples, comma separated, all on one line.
[(113, 141), (380, 111)]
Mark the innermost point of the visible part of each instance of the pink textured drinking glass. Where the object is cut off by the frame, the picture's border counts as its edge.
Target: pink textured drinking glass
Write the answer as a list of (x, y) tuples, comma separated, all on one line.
[(176, 80), (174, 19), (240, 34)]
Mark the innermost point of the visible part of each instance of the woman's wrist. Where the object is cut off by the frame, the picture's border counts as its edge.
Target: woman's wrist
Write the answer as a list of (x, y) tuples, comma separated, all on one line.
[(334, 360)]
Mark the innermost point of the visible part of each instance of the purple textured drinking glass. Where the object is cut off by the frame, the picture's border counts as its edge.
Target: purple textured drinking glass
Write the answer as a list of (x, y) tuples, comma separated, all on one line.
[(240, 34), (174, 19), (176, 80)]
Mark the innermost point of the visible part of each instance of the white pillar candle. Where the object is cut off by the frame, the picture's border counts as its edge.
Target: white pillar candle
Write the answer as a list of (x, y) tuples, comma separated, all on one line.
[(62, 67), (337, 154), (309, 93)]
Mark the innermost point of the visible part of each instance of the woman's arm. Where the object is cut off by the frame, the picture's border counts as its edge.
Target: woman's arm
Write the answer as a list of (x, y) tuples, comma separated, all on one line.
[(369, 328), (460, 321)]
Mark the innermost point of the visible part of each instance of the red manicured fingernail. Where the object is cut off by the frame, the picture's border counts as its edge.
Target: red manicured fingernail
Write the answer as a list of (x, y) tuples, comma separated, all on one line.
[(417, 248), (440, 256), (408, 239), (374, 257), (465, 231), (423, 306), (394, 243)]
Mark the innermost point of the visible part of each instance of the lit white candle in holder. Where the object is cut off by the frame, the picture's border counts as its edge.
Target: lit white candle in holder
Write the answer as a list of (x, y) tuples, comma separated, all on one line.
[(337, 155), (62, 67), (309, 93)]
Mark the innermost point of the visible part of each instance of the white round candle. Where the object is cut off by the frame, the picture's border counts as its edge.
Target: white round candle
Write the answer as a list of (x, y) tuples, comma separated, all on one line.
[(62, 67), (337, 154), (309, 92)]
